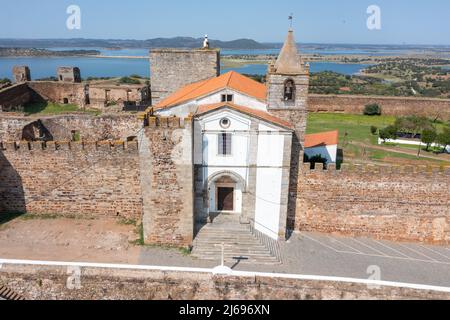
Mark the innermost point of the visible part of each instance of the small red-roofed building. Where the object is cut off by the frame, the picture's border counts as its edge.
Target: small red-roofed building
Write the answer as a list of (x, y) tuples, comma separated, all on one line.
[(323, 144)]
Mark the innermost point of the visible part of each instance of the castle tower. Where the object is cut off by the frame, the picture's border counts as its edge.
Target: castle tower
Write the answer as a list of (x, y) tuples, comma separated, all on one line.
[(287, 87), (288, 82), (21, 74)]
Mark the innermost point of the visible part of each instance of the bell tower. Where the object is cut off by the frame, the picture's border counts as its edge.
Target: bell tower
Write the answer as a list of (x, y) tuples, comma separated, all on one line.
[(287, 84), (287, 99)]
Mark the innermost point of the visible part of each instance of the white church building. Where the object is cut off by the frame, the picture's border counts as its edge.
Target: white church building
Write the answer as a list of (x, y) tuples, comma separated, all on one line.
[(242, 149)]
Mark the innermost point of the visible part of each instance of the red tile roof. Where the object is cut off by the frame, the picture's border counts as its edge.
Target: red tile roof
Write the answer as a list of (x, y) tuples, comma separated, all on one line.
[(246, 110), (322, 139), (232, 80)]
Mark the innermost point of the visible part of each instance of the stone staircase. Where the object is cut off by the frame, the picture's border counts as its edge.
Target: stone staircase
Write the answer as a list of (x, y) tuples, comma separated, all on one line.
[(7, 294), (241, 245)]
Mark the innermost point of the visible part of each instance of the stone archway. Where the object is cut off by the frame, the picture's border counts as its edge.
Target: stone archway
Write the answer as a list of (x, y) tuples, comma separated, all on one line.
[(224, 193)]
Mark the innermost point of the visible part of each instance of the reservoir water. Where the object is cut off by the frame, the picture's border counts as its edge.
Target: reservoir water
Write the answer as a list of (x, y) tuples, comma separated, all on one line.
[(42, 67), (118, 67)]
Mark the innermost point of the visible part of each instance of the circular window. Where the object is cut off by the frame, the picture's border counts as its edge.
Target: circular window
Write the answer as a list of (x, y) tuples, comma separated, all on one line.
[(225, 123)]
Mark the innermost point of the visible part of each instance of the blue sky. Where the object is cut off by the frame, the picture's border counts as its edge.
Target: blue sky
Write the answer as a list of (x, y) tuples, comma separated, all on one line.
[(324, 21)]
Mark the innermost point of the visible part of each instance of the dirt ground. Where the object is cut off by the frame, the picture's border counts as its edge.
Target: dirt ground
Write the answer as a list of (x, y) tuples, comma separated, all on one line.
[(101, 241)]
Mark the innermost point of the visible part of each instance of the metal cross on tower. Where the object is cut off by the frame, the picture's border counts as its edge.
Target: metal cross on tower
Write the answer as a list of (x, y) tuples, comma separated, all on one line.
[(291, 19)]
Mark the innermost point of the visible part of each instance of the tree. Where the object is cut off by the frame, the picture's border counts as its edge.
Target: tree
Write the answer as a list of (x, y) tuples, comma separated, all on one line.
[(429, 137), (372, 110), (444, 138), (413, 124), (373, 130), (389, 132)]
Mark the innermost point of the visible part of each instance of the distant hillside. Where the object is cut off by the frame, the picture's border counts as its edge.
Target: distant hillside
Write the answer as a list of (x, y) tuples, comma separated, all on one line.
[(31, 52), (178, 42)]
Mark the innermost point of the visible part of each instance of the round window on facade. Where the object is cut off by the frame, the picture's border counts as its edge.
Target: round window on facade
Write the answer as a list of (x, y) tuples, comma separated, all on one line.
[(225, 123)]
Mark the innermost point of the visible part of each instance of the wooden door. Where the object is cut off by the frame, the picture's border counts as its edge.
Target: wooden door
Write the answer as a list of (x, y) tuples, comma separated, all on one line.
[(225, 199)]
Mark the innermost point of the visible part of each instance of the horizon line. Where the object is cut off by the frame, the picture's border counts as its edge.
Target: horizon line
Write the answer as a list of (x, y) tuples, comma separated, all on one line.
[(260, 42)]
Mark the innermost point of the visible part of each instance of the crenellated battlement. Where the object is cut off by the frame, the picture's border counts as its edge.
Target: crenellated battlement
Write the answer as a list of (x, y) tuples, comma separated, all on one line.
[(95, 146), (167, 122), (374, 169)]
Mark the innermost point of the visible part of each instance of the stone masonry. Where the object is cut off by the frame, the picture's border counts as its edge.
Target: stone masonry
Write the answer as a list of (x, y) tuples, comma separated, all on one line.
[(393, 203), (21, 74), (50, 283), (81, 179), (392, 106), (169, 218), (172, 69), (69, 74)]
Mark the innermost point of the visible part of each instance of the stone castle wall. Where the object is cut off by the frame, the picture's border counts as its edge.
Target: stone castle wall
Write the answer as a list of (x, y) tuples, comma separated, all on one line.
[(394, 203), (169, 217), (91, 128), (394, 106), (64, 178), (172, 69), (16, 95), (59, 91), (35, 282)]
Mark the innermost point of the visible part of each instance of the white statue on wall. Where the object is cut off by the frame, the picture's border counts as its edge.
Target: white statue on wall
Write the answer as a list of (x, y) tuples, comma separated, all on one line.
[(206, 43)]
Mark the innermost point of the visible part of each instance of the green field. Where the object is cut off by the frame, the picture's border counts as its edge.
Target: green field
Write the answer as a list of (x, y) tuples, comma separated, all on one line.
[(356, 139), (50, 108)]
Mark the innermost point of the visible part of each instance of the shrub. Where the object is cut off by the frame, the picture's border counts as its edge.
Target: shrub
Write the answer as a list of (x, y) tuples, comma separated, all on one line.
[(127, 80), (373, 130), (444, 138), (389, 132), (429, 137), (372, 110)]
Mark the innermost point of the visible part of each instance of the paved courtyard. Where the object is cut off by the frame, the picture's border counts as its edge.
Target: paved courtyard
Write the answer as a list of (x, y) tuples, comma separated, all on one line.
[(107, 241)]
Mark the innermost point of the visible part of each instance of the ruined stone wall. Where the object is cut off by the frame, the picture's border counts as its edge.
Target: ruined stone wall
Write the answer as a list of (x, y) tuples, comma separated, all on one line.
[(395, 106), (14, 96), (59, 91), (50, 283), (169, 218), (91, 128), (78, 179), (100, 96), (393, 203), (172, 69)]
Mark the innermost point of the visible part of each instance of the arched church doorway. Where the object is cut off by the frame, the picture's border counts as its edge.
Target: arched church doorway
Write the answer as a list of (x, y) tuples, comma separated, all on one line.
[(225, 193)]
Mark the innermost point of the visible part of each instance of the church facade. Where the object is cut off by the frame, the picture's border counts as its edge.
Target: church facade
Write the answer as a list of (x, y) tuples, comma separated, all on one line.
[(248, 141)]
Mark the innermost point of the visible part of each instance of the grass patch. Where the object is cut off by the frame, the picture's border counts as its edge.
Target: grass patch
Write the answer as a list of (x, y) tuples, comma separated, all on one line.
[(49, 108), (357, 127)]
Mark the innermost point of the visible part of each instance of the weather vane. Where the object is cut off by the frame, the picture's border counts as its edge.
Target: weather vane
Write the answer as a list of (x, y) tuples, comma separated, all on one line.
[(291, 19)]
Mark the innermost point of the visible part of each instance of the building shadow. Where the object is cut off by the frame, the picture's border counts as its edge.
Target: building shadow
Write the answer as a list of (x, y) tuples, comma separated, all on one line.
[(340, 158), (12, 195), (296, 164)]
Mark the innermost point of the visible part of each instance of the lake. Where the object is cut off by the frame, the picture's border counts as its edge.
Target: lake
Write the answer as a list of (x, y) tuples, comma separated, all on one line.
[(117, 67), (42, 67)]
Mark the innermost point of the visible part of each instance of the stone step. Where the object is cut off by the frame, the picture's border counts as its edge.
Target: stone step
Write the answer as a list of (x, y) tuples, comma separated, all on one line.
[(239, 242)]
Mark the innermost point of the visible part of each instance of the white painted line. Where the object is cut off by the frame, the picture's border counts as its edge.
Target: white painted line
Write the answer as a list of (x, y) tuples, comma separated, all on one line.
[(434, 251), (407, 258), (234, 273), (326, 246), (392, 249), (369, 247), (417, 252), (354, 249)]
